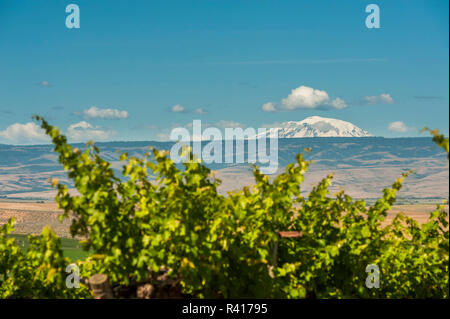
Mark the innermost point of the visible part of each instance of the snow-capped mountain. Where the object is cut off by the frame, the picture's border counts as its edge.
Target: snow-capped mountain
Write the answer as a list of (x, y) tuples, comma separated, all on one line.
[(316, 126)]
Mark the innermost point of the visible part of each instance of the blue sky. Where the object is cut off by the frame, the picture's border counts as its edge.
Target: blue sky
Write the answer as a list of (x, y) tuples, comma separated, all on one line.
[(132, 64)]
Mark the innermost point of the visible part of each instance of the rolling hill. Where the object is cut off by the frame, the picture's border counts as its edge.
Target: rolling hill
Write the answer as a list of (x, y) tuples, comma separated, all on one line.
[(362, 166)]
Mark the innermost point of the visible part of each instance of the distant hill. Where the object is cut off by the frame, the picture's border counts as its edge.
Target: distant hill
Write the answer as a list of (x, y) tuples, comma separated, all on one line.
[(362, 166)]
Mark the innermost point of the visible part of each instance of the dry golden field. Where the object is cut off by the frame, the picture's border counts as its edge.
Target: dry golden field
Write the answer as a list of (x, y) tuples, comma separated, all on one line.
[(420, 212), (31, 217)]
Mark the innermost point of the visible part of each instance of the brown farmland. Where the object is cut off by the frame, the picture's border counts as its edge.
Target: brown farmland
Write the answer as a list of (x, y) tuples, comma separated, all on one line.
[(31, 217)]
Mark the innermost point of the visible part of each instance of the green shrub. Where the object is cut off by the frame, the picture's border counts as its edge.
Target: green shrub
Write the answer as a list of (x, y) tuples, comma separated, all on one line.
[(39, 271), (222, 246)]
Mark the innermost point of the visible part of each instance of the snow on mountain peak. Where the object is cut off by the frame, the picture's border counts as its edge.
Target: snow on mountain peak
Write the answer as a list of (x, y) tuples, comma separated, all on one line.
[(316, 126)]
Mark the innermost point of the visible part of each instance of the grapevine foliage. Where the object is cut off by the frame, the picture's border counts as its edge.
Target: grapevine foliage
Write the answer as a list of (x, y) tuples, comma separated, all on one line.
[(215, 246)]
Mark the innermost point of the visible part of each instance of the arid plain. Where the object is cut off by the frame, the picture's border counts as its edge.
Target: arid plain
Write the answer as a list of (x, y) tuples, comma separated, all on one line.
[(31, 217)]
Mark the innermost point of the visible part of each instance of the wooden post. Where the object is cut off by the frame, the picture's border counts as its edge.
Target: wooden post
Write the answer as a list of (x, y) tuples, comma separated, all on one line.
[(100, 287), (275, 252), (283, 234)]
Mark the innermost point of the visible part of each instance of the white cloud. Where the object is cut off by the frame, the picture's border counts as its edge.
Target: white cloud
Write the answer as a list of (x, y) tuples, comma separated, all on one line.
[(269, 107), (305, 97), (383, 98), (163, 137), (398, 126), (29, 133), (178, 108), (164, 134), (83, 131), (220, 124), (338, 103), (228, 124), (310, 61), (200, 111), (95, 112), (44, 83)]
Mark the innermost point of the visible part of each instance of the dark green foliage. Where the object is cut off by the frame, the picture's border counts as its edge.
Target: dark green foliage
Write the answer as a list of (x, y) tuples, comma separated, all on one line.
[(221, 246), (37, 271)]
